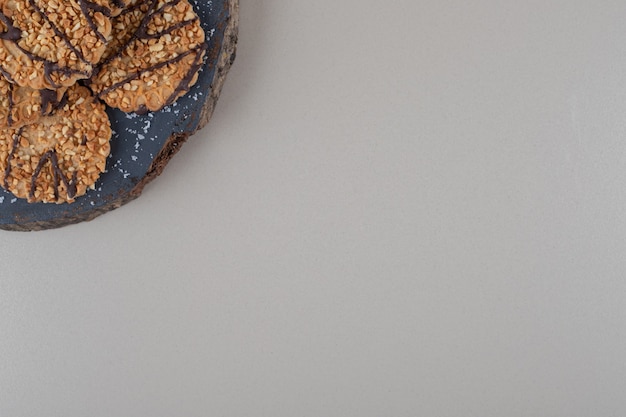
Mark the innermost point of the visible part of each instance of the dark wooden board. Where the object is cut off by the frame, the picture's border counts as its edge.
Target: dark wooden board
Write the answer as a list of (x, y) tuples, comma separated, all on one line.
[(142, 145)]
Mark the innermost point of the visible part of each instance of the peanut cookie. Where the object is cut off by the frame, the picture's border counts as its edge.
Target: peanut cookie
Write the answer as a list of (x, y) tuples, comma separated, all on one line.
[(124, 26), (22, 105), (53, 43), (160, 47), (58, 157)]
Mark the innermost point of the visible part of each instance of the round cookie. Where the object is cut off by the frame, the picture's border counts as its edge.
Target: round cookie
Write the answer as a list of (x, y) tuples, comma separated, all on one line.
[(53, 43), (158, 60), (60, 156), (23, 105)]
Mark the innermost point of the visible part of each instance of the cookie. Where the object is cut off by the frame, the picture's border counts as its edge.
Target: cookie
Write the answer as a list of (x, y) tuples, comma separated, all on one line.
[(23, 105), (60, 156), (53, 43), (125, 25), (157, 60)]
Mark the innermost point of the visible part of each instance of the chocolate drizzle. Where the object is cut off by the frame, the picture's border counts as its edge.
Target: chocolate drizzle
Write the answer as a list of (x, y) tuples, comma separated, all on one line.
[(86, 7), (50, 101), (58, 31), (7, 169), (57, 176), (141, 28), (11, 105), (6, 75), (50, 67), (183, 85), (169, 30), (152, 68), (141, 33), (14, 34)]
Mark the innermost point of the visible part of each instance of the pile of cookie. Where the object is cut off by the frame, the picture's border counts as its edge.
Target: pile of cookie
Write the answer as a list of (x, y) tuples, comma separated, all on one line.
[(61, 61)]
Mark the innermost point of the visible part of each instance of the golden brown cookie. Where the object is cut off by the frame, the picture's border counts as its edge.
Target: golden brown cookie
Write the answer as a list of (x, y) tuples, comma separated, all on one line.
[(53, 43), (125, 25), (60, 156), (22, 105), (157, 60)]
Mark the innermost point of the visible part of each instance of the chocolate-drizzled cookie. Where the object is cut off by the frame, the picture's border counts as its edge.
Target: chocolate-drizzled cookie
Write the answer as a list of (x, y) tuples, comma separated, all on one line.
[(53, 43), (58, 157), (22, 105), (155, 59)]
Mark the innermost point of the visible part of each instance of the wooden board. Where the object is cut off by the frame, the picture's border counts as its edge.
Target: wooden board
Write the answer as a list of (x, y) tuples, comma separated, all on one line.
[(142, 145)]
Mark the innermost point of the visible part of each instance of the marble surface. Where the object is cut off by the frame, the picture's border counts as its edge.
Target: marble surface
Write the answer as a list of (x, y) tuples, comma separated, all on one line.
[(399, 208)]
